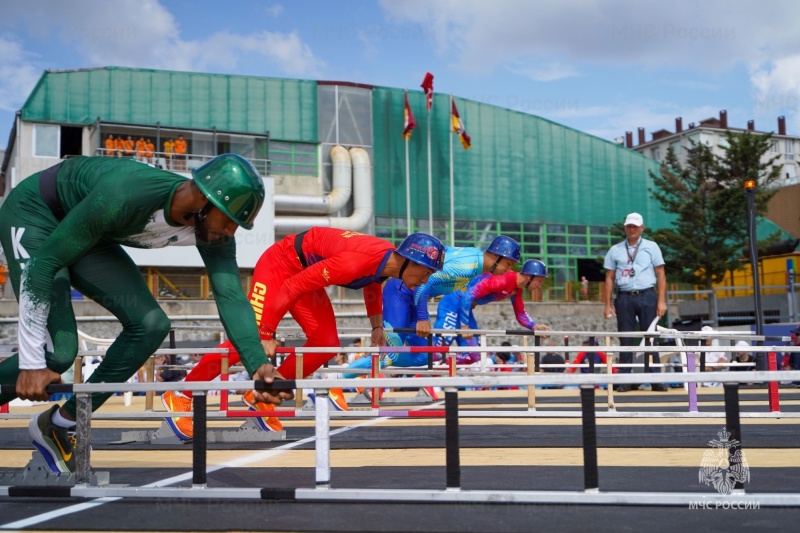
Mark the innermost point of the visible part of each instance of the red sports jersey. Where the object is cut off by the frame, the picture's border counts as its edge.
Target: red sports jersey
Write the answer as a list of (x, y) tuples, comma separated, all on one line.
[(281, 284), (334, 257)]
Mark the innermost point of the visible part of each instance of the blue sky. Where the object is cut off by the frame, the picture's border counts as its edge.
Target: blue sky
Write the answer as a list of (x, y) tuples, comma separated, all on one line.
[(600, 66)]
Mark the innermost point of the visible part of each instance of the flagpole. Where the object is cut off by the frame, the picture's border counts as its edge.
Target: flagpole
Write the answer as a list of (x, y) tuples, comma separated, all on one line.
[(430, 179), (408, 192), (452, 188)]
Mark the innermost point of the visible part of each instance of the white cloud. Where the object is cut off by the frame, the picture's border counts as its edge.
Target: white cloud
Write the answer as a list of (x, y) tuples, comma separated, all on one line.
[(552, 71), (18, 75), (776, 89), (614, 120), (275, 10), (145, 34), (700, 35)]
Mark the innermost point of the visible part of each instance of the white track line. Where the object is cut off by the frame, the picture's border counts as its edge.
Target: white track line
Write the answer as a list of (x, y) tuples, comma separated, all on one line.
[(236, 463)]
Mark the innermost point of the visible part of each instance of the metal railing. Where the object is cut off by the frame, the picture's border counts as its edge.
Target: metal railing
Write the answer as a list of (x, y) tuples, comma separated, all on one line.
[(178, 162)]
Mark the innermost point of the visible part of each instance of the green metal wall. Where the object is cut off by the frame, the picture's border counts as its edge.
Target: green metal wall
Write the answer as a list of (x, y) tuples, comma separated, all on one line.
[(243, 104), (521, 168)]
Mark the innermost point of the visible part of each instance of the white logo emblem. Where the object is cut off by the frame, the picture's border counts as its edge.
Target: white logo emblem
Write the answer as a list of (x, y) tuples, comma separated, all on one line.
[(723, 467)]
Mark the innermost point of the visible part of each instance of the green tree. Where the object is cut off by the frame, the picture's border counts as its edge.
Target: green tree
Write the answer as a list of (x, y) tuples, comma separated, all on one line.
[(706, 193)]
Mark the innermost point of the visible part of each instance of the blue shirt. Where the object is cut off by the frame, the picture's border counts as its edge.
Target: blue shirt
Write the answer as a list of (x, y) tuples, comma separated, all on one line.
[(460, 266), (646, 256)]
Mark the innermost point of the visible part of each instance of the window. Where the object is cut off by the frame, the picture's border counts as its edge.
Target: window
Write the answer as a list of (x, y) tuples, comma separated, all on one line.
[(675, 147), (789, 143), (774, 147), (293, 158), (789, 172), (656, 153), (46, 140)]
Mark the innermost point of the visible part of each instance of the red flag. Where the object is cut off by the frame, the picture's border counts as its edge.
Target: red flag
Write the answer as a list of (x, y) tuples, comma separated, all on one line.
[(427, 86), (458, 128), (408, 120)]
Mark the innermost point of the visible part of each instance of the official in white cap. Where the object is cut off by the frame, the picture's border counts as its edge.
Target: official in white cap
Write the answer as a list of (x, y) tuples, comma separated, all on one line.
[(635, 274)]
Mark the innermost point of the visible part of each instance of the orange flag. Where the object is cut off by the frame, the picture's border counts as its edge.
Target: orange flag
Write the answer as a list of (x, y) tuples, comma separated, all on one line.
[(427, 86), (408, 120), (458, 128)]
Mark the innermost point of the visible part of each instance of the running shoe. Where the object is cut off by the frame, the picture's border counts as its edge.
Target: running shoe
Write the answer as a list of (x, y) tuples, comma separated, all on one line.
[(336, 397), (368, 392), (430, 391), (266, 423), (55, 443), (175, 402)]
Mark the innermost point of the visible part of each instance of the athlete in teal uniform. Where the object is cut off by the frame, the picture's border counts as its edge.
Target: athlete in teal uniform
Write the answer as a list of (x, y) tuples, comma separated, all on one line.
[(66, 226)]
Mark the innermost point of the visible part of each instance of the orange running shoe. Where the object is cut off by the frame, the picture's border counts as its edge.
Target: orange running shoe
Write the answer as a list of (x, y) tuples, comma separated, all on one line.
[(266, 423), (336, 397), (175, 402)]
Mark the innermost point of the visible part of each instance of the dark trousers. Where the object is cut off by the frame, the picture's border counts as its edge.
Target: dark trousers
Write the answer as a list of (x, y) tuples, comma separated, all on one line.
[(630, 309)]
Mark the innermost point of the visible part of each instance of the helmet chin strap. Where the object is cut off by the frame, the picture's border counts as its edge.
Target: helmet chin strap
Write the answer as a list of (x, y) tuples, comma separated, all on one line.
[(199, 220), (527, 285), (491, 270), (403, 269)]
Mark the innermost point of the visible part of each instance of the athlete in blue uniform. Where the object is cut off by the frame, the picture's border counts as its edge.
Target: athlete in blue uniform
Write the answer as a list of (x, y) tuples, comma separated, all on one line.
[(455, 309), (403, 308)]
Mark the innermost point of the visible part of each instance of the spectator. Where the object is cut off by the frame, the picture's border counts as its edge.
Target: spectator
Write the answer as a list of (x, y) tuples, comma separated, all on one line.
[(149, 152), (600, 359), (163, 374), (635, 272), (3, 279), (180, 153), (141, 149), (110, 144), (743, 357), (584, 288), (713, 359), (169, 151), (128, 147), (119, 146), (340, 359), (794, 357), (552, 358)]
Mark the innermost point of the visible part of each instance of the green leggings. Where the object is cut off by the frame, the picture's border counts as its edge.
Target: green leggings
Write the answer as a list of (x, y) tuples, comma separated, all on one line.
[(106, 274)]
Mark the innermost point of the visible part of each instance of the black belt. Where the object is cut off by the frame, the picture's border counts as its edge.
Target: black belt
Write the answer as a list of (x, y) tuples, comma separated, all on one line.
[(49, 193), (636, 293), (298, 247)]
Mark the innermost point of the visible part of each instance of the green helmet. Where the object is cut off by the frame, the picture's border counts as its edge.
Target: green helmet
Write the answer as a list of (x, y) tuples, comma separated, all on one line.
[(231, 183)]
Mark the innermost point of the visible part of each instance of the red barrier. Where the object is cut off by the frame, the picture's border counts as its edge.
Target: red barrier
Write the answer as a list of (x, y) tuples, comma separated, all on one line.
[(774, 398)]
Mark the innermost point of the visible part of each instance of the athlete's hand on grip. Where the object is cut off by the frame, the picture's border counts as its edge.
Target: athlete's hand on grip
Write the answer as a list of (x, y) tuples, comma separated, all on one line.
[(377, 337), (423, 328), (268, 374), (31, 384)]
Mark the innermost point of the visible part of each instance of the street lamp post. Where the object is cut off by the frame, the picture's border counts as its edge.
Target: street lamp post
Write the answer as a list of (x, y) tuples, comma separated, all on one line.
[(750, 187)]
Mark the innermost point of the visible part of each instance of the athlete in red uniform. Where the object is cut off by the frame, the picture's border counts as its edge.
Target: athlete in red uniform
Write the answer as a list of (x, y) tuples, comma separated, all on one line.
[(291, 275)]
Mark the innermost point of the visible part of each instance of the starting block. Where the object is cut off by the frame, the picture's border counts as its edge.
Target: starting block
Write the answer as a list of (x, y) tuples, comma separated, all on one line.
[(249, 431), (37, 474)]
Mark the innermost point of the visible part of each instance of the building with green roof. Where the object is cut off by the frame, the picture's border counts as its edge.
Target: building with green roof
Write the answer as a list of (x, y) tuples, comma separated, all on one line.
[(554, 189)]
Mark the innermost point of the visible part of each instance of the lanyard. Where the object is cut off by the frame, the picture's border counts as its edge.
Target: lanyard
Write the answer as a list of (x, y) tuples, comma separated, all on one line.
[(631, 258)]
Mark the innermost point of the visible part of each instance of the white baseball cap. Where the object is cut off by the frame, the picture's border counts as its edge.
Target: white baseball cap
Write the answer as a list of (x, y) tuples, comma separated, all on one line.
[(634, 219)]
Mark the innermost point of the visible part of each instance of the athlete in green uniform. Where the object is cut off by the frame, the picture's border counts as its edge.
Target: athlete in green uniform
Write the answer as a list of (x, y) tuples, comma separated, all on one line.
[(66, 226)]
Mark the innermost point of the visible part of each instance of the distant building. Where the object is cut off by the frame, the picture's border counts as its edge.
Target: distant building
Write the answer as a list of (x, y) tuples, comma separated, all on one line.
[(712, 132)]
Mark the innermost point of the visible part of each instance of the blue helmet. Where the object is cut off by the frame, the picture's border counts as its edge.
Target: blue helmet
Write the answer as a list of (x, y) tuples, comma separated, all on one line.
[(505, 247), (423, 249), (534, 267)]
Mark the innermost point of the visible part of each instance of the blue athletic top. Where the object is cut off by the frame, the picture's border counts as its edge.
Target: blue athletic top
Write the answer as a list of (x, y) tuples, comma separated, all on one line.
[(460, 266)]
